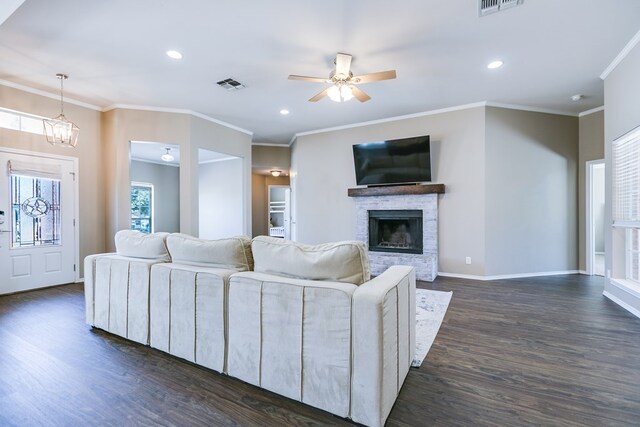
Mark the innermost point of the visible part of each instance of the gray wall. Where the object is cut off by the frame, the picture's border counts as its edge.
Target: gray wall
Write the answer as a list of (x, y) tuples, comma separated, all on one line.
[(531, 198), (220, 200), (322, 171), (166, 183), (268, 157), (622, 114), (590, 147), (511, 187)]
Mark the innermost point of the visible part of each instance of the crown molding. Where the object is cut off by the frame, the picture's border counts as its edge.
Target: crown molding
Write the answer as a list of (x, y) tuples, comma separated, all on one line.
[(528, 108), (434, 112), (623, 54), (389, 119), (270, 144), (176, 111), (593, 110), (155, 162), (50, 95)]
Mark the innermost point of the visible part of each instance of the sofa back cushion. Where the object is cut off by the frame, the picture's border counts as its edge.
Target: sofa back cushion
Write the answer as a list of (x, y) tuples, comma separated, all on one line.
[(134, 244), (233, 253), (340, 262)]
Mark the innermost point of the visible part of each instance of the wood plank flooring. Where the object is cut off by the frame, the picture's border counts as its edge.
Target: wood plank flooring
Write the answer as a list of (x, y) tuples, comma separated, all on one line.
[(542, 351)]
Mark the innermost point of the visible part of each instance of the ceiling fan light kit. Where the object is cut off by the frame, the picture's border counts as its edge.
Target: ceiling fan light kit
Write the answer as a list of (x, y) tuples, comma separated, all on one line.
[(344, 82)]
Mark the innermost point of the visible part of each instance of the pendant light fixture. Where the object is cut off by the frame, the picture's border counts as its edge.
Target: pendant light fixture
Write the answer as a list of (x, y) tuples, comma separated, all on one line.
[(60, 131), (167, 157)]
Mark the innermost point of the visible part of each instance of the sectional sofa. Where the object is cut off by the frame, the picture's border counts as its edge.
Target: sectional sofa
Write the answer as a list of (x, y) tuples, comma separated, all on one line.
[(306, 322)]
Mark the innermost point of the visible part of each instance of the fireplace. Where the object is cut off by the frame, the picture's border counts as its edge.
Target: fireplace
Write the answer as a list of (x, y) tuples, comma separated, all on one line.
[(398, 231)]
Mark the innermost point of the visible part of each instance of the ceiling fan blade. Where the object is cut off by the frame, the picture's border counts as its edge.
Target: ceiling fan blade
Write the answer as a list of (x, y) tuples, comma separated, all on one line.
[(343, 64), (308, 79), (359, 94), (319, 96), (374, 77)]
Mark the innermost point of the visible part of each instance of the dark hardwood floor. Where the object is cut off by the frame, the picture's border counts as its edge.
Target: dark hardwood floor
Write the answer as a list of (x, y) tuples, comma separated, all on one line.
[(542, 351)]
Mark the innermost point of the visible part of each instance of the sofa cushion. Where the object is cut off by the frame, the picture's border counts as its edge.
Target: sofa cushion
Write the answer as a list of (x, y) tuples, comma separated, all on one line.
[(341, 261), (134, 244), (232, 253)]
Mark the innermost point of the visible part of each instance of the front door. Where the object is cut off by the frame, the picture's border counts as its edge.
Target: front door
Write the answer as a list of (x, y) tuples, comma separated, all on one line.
[(37, 209)]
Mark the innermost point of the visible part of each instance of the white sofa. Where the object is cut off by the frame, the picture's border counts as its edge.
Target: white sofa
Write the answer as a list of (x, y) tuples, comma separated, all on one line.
[(303, 321)]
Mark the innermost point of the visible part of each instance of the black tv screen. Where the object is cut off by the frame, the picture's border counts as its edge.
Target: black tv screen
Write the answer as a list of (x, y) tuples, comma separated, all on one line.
[(397, 161)]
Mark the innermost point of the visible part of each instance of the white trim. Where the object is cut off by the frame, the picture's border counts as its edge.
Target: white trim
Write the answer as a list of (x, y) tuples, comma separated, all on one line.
[(389, 119), (583, 272), (589, 226), (528, 108), (67, 100), (431, 113), (621, 303), (79, 279), (176, 111), (593, 110), (623, 54), (155, 162), (508, 276), (269, 144), (224, 159)]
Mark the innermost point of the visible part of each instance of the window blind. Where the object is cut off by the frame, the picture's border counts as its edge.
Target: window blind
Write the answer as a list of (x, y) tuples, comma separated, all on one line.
[(626, 180)]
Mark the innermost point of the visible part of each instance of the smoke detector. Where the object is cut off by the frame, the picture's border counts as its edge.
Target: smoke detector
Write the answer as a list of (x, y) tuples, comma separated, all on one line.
[(487, 7), (230, 84)]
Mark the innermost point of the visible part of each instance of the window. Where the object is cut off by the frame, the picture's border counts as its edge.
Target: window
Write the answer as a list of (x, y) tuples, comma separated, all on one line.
[(142, 207), (626, 197), (24, 122), (35, 211)]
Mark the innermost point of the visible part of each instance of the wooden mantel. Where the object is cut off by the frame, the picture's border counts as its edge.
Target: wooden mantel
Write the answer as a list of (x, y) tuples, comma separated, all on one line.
[(396, 190)]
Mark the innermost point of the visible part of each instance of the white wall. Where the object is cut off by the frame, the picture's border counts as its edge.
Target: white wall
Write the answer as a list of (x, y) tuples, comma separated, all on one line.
[(323, 170), (166, 185), (622, 114), (221, 199)]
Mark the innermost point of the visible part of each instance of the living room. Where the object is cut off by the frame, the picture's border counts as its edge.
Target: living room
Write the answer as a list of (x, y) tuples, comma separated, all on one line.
[(513, 144)]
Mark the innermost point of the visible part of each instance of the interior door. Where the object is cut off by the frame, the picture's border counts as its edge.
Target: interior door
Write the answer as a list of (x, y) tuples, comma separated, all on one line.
[(37, 235)]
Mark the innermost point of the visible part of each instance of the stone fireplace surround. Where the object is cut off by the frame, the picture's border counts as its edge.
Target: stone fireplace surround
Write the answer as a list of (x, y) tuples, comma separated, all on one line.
[(414, 197)]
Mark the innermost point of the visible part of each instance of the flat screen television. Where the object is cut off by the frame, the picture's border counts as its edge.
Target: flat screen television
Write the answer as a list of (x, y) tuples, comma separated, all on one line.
[(396, 161)]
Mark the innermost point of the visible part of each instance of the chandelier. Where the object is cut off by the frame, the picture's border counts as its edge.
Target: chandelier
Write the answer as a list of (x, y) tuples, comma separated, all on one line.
[(60, 131)]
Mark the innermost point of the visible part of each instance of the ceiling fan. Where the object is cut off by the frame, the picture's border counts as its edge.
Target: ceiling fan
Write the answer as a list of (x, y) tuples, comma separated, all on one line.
[(343, 82)]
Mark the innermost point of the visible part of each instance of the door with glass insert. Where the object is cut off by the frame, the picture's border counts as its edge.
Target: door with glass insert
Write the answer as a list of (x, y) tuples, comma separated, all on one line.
[(37, 227)]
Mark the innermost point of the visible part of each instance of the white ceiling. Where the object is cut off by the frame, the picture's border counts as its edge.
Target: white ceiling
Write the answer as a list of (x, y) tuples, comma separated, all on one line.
[(114, 53)]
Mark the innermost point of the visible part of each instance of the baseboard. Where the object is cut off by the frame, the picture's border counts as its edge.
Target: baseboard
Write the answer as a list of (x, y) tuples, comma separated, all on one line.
[(80, 280), (508, 276), (584, 272), (621, 303)]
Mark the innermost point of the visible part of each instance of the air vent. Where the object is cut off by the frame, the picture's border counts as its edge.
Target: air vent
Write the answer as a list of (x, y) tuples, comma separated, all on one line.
[(230, 84), (491, 6)]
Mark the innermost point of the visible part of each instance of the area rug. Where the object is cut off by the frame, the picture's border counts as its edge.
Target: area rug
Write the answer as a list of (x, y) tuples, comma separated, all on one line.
[(431, 307)]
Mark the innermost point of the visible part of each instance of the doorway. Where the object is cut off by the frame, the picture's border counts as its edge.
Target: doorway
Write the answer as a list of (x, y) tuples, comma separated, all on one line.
[(38, 228), (595, 210)]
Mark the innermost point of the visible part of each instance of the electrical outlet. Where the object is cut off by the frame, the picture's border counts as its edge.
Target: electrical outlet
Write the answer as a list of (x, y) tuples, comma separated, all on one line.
[(467, 260)]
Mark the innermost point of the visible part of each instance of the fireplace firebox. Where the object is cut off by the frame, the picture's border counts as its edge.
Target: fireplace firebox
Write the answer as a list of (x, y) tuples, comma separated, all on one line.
[(397, 231)]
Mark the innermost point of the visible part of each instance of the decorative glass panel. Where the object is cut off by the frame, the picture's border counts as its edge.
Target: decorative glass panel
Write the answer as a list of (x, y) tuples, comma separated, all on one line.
[(35, 211), (141, 208)]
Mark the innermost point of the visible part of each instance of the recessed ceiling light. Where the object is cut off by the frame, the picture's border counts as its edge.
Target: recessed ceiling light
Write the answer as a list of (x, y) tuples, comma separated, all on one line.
[(284, 111), (174, 54), (495, 64)]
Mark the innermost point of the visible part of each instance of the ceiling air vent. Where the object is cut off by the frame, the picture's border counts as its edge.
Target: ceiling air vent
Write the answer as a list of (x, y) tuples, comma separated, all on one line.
[(230, 84), (490, 6)]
